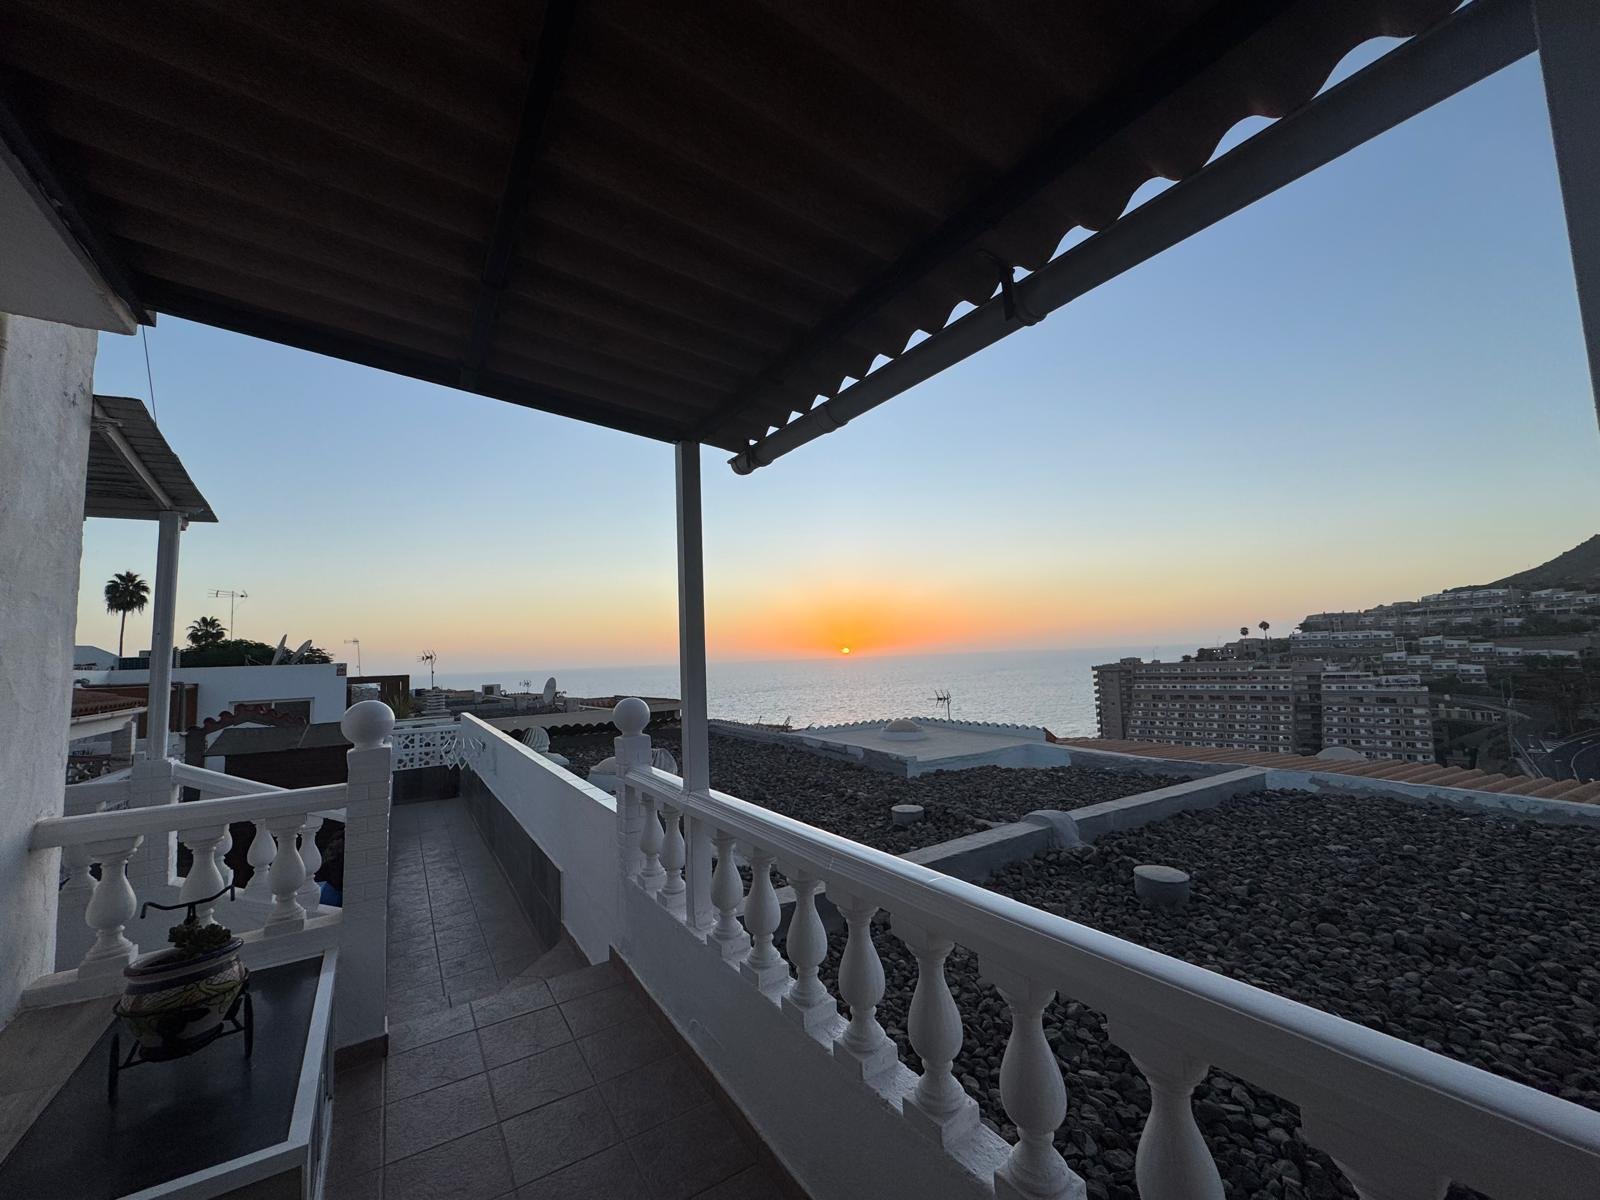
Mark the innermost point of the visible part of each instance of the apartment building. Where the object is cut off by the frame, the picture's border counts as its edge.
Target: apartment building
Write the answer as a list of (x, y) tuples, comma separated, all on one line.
[(1382, 716), (1216, 704)]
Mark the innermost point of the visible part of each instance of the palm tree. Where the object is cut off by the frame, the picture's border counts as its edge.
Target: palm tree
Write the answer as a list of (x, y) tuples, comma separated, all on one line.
[(206, 631), (1266, 646), (126, 592)]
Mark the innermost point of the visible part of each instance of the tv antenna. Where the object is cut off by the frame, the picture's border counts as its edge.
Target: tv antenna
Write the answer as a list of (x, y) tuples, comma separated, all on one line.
[(942, 696), (232, 597), (430, 658), (356, 642)]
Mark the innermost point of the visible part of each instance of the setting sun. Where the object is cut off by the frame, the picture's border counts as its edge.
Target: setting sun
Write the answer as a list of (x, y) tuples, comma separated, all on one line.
[(844, 649)]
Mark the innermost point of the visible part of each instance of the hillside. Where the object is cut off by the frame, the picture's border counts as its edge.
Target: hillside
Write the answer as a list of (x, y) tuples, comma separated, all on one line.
[(1579, 566)]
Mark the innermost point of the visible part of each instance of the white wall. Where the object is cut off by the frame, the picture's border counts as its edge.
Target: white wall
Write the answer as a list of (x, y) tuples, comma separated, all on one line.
[(223, 687), (574, 823), (45, 399)]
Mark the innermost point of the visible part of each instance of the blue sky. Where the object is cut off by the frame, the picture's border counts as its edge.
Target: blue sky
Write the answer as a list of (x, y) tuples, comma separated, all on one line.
[(1367, 386)]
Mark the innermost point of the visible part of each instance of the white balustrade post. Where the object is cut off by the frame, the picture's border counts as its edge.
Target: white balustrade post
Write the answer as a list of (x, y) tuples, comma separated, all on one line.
[(672, 893), (863, 1044), (1034, 1096), (938, 1106), (632, 749), (360, 998), (1373, 1154), (111, 907), (311, 855), (699, 912), (807, 1000), (203, 878), (286, 874), (764, 966), (653, 876), (259, 855), (1173, 1162), (727, 890)]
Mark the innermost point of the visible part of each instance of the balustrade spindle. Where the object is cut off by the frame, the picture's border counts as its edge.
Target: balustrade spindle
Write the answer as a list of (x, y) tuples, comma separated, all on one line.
[(79, 884), (807, 1000), (285, 875), (111, 907), (260, 856), (939, 1106), (764, 966), (1173, 1162), (1034, 1096), (672, 858), (224, 848), (653, 876), (311, 856), (203, 878), (727, 890), (863, 1044)]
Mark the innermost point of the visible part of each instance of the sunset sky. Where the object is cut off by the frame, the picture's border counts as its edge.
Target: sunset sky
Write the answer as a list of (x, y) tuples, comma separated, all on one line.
[(1364, 388)]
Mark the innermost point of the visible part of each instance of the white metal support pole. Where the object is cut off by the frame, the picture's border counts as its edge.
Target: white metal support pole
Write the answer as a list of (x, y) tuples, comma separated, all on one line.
[(164, 611), (696, 765), (1569, 49)]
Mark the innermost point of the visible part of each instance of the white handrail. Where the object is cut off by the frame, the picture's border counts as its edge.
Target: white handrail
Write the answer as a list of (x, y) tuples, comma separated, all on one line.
[(159, 818), (219, 784), (1472, 1126)]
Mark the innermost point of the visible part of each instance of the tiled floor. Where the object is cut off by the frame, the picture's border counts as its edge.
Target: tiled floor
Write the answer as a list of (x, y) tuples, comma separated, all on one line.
[(515, 1071)]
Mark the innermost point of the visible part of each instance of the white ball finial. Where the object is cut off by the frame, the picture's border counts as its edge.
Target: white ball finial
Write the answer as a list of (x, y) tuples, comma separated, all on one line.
[(631, 715), (367, 723)]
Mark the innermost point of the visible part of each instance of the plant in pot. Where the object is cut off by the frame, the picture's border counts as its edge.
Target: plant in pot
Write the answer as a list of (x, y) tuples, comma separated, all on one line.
[(176, 1000)]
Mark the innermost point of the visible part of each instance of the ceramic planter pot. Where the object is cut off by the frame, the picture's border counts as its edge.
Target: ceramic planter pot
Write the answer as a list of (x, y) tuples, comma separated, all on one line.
[(174, 1004)]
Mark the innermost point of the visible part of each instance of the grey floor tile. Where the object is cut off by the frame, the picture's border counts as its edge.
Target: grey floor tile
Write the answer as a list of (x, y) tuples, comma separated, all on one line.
[(609, 1175), (470, 1168), (432, 1065), (406, 1004), (512, 1001), (557, 1135), (652, 1094), (472, 985), (583, 981), (538, 1079), (354, 1187), (511, 963), (414, 973), (600, 1010), (423, 1030), (433, 1118), (690, 1153), (466, 921), (419, 941), (560, 959), (356, 1144), (358, 1088), (620, 1049), (461, 961), (531, 1033), (753, 1183)]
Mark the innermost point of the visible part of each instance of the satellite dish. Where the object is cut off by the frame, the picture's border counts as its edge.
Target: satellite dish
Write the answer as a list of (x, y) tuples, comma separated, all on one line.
[(550, 690), (280, 653), (300, 653)]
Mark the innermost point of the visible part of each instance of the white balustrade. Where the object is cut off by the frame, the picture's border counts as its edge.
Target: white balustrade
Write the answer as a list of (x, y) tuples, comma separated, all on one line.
[(111, 906), (1356, 1088), (426, 746), (224, 848), (763, 965), (863, 1043), (939, 1105), (311, 857), (1034, 1096), (203, 879), (727, 891), (287, 873), (260, 856), (672, 857)]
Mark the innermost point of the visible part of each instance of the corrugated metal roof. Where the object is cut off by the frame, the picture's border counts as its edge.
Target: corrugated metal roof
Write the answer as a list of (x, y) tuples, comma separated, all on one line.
[(680, 220), (113, 489)]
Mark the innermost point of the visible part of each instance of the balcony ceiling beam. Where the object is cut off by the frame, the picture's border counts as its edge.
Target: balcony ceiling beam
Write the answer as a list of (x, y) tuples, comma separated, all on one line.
[(1475, 42)]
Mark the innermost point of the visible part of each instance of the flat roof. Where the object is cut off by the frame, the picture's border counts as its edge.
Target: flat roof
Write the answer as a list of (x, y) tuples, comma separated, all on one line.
[(133, 471), (684, 222)]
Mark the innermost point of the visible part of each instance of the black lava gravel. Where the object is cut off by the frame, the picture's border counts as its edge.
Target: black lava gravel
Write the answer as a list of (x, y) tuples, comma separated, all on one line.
[(1473, 936), (854, 801)]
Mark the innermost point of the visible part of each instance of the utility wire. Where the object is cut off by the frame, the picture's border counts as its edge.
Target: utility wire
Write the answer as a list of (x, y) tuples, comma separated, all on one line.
[(148, 378)]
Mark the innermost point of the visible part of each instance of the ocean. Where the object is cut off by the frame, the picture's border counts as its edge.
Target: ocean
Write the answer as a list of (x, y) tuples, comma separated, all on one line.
[(1053, 688)]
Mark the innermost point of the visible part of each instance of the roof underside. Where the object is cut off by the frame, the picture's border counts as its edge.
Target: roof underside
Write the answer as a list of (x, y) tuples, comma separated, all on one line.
[(114, 488), (684, 221)]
